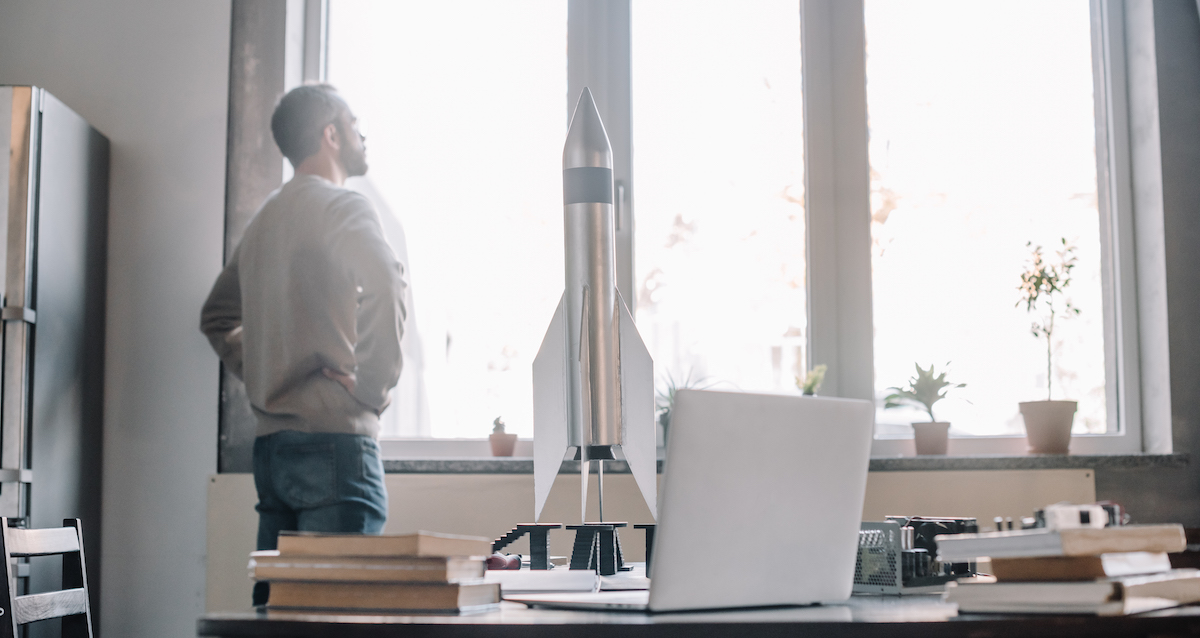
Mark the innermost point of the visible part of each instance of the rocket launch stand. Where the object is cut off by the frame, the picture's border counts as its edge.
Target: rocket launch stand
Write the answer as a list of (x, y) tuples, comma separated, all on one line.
[(598, 547), (539, 542)]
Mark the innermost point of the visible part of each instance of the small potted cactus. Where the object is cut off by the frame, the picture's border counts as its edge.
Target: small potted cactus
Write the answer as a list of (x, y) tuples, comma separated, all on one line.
[(502, 442)]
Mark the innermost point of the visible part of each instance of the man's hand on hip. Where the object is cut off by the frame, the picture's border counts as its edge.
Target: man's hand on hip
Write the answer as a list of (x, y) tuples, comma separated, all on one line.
[(347, 380)]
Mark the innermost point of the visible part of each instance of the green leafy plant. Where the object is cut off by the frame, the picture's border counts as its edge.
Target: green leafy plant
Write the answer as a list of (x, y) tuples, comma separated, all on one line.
[(664, 397), (924, 390), (812, 380), (1043, 287)]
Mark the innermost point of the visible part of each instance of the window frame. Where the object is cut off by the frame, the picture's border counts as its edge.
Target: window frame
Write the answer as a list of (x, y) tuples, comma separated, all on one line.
[(834, 92), (837, 205)]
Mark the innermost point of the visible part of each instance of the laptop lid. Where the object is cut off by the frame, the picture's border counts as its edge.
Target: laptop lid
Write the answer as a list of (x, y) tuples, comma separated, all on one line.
[(761, 500)]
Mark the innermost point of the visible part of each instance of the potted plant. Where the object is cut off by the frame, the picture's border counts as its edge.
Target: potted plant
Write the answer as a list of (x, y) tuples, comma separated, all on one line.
[(1043, 286), (664, 398), (502, 442), (924, 390), (812, 380)]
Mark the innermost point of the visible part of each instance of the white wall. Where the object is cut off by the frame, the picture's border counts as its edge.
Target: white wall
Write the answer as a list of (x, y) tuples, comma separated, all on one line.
[(153, 77)]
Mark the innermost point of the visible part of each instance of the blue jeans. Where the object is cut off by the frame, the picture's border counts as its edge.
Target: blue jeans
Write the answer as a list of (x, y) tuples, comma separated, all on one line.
[(317, 482)]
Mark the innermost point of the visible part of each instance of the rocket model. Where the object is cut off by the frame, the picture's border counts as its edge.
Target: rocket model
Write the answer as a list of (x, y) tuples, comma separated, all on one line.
[(593, 379)]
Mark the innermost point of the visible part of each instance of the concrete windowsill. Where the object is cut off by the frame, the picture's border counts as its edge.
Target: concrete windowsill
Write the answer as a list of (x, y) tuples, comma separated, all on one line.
[(524, 464), (1028, 462)]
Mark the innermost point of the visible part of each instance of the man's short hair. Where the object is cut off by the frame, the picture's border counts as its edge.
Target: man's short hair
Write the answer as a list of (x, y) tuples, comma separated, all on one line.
[(300, 117)]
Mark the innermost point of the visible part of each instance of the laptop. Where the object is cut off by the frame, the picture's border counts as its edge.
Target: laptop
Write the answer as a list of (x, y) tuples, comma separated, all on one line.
[(761, 503)]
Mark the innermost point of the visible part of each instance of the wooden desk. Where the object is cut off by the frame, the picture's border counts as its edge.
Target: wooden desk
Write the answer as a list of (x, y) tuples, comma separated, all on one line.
[(911, 616)]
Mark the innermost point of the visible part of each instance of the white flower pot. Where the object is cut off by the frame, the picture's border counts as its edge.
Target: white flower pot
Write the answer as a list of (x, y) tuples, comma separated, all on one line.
[(931, 437), (1048, 425)]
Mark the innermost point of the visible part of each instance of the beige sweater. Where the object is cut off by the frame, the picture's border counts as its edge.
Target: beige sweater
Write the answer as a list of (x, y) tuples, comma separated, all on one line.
[(313, 285)]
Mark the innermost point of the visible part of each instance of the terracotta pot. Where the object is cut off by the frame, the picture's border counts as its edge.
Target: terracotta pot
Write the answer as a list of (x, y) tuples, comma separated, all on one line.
[(1048, 425), (931, 437), (503, 444)]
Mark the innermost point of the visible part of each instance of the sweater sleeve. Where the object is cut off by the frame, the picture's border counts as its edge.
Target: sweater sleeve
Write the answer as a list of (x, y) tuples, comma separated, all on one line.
[(359, 244), (221, 317)]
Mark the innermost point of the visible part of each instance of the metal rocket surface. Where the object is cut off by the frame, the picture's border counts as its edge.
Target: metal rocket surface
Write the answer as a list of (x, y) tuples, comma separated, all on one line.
[(593, 379)]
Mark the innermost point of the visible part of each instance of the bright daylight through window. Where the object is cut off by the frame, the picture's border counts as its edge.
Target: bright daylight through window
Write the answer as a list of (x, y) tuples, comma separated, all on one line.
[(719, 188), (982, 148), (463, 106)]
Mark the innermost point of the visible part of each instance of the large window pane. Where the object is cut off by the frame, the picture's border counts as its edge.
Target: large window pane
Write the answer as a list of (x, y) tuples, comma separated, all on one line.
[(982, 140), (718, 176), (462, 103)]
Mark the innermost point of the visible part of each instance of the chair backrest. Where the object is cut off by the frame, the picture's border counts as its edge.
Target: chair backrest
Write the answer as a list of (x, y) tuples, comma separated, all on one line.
[(71, 603)]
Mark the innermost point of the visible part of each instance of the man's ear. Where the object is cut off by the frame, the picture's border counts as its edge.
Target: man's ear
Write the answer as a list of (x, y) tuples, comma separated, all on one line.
[(331, 137)]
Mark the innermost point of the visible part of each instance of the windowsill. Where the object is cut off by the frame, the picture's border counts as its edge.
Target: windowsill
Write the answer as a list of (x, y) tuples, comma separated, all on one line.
[(1028, 462), (489, 465), (524, 464)]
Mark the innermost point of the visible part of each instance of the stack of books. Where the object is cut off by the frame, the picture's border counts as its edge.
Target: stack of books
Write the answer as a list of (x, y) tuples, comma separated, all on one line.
[(1108, 571), (422, 572)]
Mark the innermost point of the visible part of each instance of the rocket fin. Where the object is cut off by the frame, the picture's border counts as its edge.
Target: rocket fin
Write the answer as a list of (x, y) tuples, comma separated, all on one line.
[(637, 408), (550, 417)]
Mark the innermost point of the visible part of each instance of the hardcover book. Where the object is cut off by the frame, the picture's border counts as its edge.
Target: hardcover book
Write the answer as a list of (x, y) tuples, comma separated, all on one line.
[(418, 544)]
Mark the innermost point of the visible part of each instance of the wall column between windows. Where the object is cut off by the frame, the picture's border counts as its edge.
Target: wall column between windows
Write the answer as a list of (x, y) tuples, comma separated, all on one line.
[(837, 196), (599, 57), (272, 48), (253, 168)]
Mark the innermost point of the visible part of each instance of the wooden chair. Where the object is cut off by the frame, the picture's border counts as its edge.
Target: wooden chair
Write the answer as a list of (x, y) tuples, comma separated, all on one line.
[(70, 604)]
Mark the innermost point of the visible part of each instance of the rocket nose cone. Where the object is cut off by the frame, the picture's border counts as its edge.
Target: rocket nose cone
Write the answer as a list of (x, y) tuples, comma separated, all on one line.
[(587, 142)]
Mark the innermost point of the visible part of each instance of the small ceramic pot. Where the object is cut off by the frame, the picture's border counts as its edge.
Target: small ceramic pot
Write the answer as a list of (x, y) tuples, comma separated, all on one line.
[(1048, 425), (931, 437), (503, 443)]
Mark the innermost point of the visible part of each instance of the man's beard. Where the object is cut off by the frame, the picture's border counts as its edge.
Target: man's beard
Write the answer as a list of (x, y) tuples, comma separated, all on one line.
[(355, 160)]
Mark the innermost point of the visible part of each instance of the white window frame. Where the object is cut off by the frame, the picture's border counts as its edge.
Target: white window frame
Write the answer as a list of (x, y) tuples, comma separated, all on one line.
[(838, 208), (837, 192)]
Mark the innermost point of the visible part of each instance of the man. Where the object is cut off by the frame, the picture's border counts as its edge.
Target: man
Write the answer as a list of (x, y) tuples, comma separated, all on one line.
[(308, 313)]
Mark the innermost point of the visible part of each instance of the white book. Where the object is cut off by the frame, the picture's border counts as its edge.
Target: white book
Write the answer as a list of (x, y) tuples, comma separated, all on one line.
[(1032, 543), (533, 581), (1105, 597)]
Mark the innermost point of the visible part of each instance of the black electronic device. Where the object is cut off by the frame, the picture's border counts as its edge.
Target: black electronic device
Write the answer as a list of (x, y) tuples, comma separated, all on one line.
[(900, 555)]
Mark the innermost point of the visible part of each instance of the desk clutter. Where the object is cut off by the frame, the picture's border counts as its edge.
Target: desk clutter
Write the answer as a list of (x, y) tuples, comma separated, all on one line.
[(421, 572), (1075, 559), (1065, 559), (596, 562)]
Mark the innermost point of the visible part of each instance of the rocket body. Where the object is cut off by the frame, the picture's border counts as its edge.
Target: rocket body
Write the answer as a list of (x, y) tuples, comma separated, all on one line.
[(593, 378), (591, 280)]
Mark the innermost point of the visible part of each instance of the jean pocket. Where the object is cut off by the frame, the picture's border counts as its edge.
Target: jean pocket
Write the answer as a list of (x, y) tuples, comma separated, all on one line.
[(305, 475), (371, 467)]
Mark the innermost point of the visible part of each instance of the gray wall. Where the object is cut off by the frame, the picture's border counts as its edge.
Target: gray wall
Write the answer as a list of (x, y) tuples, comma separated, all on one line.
[(153, 77), (1174, 495)]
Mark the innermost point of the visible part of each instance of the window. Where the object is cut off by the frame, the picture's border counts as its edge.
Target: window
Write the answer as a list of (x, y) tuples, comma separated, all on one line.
[(982, 141), (719, 235), (985, 130), (462, 106)]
